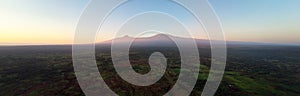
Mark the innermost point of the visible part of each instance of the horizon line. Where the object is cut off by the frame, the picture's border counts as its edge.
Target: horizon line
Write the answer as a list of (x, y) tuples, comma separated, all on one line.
[(128, 36)]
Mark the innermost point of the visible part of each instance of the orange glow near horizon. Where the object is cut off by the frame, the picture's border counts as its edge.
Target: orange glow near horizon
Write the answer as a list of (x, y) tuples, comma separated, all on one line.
[(54, 22)]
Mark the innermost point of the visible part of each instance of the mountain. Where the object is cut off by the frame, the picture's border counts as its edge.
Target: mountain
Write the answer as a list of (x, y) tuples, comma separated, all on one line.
[(165, 40)]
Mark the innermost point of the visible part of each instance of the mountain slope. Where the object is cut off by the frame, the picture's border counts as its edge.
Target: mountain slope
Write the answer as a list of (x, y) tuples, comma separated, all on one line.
[(167, 40)]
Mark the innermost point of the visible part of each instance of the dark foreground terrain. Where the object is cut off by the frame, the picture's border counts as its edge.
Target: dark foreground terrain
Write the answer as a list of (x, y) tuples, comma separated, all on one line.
[(251, 71)]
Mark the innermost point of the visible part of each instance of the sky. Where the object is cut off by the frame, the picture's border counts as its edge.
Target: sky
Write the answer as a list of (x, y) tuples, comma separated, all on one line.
[(54, 21)]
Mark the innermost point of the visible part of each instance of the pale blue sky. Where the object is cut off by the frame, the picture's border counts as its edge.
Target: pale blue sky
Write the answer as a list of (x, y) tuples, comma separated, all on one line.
[(274, 21), (54, 21)]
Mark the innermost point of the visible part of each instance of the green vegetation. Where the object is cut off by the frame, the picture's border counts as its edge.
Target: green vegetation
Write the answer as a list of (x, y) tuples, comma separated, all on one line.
[(250, 71)]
